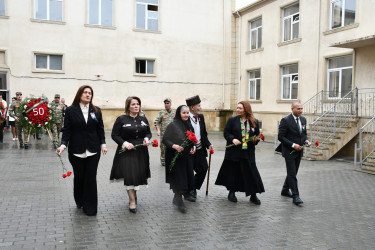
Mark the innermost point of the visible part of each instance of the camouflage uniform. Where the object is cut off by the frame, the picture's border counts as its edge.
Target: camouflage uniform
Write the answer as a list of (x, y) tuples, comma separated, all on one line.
[(162, 121), (14, 112), (58, 110)]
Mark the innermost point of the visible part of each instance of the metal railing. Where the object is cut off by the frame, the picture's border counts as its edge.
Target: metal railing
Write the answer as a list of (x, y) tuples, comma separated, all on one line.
[(341, 113), (366, 102), (366, 142)]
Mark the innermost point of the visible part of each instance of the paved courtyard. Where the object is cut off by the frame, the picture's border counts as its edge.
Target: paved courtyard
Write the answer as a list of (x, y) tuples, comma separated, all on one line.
[(38, 209)]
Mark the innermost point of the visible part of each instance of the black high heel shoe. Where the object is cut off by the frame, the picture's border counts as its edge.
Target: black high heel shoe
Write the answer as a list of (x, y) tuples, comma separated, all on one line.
[(133, 210)]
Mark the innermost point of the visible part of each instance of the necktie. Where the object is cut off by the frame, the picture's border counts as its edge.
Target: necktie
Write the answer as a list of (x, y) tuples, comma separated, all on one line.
[(195, 118), (299, 127)]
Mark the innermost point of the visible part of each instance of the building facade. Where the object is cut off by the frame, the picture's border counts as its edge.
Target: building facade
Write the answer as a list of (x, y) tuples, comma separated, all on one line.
[(290, 50), (148, 48)]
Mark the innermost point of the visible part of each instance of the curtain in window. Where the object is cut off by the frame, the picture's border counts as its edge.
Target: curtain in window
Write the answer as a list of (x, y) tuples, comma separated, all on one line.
[(41, 9), (106, 15), (94, 12), (41, 62), (55, 62), (55, 10)]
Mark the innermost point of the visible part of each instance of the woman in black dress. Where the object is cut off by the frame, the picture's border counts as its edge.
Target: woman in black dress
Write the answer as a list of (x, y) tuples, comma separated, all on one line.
[(239, 172), (181, 176), (133, 165)]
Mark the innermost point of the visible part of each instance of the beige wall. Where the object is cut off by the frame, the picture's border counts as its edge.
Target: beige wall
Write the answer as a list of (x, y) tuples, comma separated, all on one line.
[(192, 52), (311, 51)]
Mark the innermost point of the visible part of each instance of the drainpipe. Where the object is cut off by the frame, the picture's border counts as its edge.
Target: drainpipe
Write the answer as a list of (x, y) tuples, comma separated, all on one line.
[(239, 55), (318, 54), (223, 74)]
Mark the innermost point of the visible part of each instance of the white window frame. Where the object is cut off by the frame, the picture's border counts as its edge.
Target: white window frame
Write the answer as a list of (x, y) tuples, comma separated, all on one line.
[(48, 12), (99, 13), (293, 79), (48, 63), (146, 60), (342, 10), (257, 46), (254, 81), (146, 15), (340, 78), (291, 22)]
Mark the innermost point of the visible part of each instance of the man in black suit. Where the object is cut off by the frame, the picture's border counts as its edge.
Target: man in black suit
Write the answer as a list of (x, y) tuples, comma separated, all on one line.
[(200, 161), (293, 136)]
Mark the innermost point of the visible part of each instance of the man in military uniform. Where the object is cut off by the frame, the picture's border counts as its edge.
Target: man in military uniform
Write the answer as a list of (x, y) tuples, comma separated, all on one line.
[(200, 162), (58, 111), (16, 113), (162, 120)]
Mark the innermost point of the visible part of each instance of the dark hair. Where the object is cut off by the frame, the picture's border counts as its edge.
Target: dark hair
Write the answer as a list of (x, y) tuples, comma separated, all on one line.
[(15, 98), (77, 98), (128, 101), (248, 112)]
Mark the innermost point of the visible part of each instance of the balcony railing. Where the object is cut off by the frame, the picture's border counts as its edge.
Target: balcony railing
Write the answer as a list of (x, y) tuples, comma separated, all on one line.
[(366, 142)]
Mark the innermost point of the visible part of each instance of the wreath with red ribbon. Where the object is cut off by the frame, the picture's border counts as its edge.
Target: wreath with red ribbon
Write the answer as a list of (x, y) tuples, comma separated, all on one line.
[(36, 114)]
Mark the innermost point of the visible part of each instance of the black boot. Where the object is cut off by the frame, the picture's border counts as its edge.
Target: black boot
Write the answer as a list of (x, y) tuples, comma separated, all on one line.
[(232, 197), (254, 199), (177, 200)]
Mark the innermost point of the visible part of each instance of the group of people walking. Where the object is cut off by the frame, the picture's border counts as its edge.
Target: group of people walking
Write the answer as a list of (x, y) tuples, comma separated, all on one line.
[(185, 163)]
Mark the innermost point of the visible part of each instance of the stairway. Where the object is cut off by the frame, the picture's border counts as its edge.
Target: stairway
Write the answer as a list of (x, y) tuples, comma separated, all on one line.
[(369, 163)]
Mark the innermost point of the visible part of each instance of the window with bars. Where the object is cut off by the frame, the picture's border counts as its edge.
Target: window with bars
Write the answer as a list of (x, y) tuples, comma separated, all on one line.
[(51, 10), (289, 82), (291, 22), (256, 34), (147, 14), (100, 12)]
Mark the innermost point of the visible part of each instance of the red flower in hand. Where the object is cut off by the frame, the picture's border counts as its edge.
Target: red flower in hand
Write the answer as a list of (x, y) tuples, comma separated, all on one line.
[(155, 143), (317, 143), (211, 151), (261, 137)]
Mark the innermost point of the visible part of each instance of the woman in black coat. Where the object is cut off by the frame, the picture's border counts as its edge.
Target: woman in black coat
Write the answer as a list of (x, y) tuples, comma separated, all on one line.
[(181, 176), (83, 134), (133, 165), (239, 172)]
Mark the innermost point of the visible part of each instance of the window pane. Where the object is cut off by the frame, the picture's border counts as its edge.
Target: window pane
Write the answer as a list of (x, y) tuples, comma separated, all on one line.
[(2, 7), (290, 69), (253, 39), (256, 23), (349, 11), (93, 11), (286, 87), (55, 10), (260, 37), (148, 1), (346, 81), (295, 30), (41, 62), (3, 81), (294, 90), (152, 22), (107, 12), (287, 30), (55, 62), (150, 67), (41, 9), (291, 10), (141, 16), (252, 89), (334, 81), (340, 62), (336, 14), (140, 66), (258, 89)]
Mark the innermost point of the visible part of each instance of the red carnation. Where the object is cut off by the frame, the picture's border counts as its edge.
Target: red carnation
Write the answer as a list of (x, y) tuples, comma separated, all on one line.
[(64, 176), (155, 143), (262, 137), (68, 173), (211, 151), (317, 143)]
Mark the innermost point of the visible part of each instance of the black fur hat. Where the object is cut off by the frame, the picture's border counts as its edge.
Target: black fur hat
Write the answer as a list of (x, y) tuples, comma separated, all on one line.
[(193, 100)]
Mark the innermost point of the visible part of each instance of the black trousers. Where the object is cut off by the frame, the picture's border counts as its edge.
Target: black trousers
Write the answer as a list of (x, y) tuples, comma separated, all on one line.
[(292, 166), (2, 131), (85, 188), (200, 168)]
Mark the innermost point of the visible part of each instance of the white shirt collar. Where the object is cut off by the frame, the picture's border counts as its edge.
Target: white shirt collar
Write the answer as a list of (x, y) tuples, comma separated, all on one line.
[(84, 106)]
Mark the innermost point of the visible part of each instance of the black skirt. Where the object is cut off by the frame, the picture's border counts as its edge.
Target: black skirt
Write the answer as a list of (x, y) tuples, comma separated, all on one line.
[(240, 176), (133, 166)]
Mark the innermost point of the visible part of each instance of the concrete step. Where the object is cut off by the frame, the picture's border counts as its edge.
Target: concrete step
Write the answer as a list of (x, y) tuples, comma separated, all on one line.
[(371, 159)]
